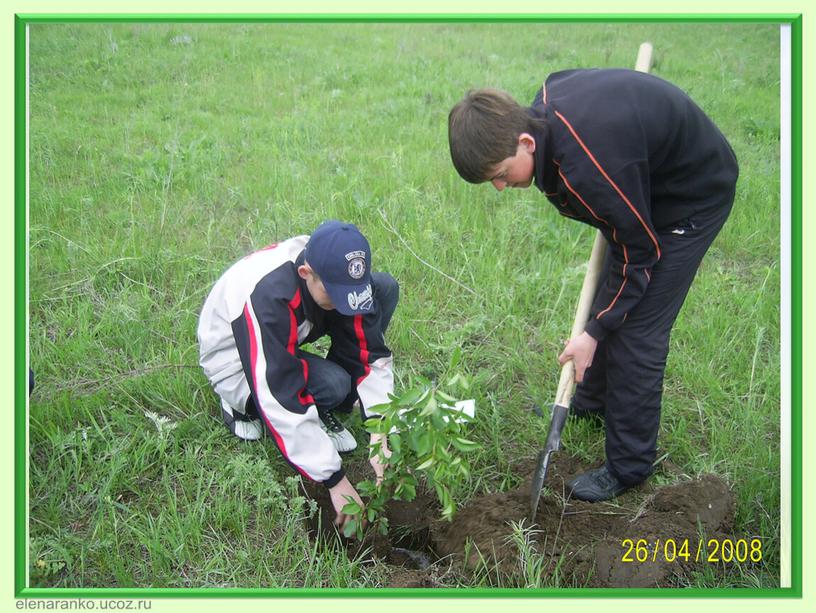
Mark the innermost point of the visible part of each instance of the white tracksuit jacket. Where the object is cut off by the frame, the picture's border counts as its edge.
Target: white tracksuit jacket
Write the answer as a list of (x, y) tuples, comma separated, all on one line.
[(252, 323)]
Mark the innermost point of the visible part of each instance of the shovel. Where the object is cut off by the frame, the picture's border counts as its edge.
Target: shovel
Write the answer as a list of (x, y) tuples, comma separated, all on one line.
[(566, 384), (560, 408)]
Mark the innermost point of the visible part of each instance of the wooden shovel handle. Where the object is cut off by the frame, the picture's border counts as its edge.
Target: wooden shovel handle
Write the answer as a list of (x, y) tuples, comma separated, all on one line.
[(644, 58), (566, 384)]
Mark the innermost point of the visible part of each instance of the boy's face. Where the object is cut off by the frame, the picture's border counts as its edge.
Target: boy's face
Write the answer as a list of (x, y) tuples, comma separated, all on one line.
[(517, 170), (315, 287)]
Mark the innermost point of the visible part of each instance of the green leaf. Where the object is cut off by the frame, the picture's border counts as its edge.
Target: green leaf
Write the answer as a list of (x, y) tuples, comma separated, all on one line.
[(423, 443), (439, 424), (379, 408), (395, 461), (454, 380), (351, 508), (463, 444), (350, 529), (426, 464), (455, 358), (430, 407), (395, 443), (366, 488), (424, 381), (409, 490), (375, 425), (412, 396), (445, 397)]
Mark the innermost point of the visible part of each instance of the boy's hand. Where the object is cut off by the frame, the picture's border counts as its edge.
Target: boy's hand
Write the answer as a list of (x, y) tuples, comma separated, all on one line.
[(342, 490), (374, 459), (580, 349)]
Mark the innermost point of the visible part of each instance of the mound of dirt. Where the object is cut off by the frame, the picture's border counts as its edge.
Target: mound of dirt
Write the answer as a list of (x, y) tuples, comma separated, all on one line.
[(588, 544), (593, 545)]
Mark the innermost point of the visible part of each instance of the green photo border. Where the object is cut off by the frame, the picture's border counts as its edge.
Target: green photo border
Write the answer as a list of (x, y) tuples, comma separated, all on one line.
[(21, 590)]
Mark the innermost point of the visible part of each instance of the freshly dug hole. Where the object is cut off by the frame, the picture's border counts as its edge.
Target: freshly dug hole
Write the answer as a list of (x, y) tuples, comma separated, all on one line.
[(582, 542), (407, 547)]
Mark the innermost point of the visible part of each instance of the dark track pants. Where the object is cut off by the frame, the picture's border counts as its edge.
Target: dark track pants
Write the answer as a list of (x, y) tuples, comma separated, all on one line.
[(626, 377)]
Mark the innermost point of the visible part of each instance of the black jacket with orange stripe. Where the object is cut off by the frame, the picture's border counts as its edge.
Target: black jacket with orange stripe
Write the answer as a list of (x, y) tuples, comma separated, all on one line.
[(632, 155)]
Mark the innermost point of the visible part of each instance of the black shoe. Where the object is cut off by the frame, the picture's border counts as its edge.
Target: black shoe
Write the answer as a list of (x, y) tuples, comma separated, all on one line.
[(596, 485)]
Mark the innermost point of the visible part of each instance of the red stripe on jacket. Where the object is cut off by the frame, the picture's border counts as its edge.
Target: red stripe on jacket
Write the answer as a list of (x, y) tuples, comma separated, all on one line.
[(253, 359), (358, 330), (304, 396), (253, 356), (294, 303)]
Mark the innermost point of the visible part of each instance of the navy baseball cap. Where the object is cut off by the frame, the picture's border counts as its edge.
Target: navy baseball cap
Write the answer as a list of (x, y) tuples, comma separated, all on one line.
[(341, 257)]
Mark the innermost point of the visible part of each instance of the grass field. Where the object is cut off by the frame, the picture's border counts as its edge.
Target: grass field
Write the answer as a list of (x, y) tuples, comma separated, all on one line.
[(160, 154)]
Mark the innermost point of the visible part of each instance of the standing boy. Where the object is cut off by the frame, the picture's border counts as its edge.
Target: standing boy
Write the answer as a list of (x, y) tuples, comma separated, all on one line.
[(252, 324), (635, 157)]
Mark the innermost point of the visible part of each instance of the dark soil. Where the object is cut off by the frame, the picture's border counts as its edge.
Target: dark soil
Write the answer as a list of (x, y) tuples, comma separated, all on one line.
[(583, 543), (407, 548)]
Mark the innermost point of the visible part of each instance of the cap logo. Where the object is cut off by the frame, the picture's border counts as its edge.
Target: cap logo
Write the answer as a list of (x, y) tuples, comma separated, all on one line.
[(352, 255), (361, 301), (356, 268)]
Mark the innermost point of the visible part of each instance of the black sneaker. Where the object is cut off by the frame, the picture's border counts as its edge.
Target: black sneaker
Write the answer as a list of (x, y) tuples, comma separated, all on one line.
[(342, 439), (596, 485)]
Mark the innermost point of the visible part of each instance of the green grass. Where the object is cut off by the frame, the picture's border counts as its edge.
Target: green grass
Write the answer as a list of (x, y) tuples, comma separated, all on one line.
[(162, 153)]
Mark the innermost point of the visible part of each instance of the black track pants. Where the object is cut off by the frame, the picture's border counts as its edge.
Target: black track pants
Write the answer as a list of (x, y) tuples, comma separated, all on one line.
[(626, 377)]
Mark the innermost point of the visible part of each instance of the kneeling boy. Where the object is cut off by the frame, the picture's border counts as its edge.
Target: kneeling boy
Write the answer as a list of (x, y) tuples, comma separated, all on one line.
[(252, 324)]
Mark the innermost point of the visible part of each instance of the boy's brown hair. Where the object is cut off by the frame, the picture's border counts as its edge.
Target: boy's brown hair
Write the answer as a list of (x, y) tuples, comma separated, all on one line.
[(483, 130)]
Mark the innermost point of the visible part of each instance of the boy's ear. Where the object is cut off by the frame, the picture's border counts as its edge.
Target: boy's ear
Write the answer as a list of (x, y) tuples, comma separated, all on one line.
[(527, 141), (304, 271)]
